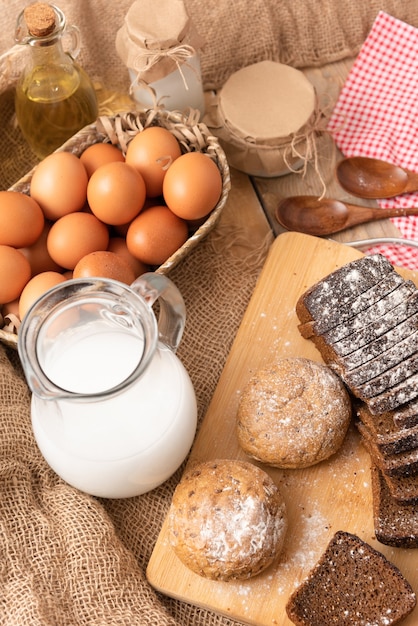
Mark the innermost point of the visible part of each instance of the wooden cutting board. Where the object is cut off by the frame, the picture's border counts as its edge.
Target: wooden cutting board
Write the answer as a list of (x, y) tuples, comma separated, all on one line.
[(333, 495)]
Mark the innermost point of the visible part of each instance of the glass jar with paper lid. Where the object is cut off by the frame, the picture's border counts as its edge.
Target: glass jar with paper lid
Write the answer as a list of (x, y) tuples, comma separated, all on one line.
[(160, 47), (267, 119)]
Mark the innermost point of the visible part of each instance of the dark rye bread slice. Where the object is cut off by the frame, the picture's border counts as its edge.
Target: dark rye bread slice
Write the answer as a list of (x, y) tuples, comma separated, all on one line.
[(326, 303), (377, 328), (384, 361), (389, 438), (394, 397), (403, 489), (401, 464), (406, 416), (387, 379), (395, 524), (362, 302), (351, 585), (372, 313), (373, 341), (329, 301), (377, 348), (378, 398)]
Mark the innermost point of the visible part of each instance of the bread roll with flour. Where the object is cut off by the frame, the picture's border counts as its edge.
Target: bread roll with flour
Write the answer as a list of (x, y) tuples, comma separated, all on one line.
[(293, 414), (227, 520)]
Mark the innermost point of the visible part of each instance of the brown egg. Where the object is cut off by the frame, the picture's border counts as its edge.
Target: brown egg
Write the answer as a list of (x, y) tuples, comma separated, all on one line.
[(99, 154), (151, 152), (59, 184), (119, 246), (75, 235), (192, 186), (38, 255), (36, 287), (116, 193), (21, 219), (104, 264), (15, 272), (155, 235)]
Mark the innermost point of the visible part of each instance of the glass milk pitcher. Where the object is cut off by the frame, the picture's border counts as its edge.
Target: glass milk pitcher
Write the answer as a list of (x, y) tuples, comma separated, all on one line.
[(113, 409)]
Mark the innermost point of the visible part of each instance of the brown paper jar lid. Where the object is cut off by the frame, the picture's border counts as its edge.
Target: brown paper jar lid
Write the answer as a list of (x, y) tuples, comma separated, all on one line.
[(259, 115), (147, 32), (267, 100)]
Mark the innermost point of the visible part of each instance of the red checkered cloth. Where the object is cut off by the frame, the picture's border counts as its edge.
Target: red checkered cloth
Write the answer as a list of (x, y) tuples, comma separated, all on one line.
[(376, 115)]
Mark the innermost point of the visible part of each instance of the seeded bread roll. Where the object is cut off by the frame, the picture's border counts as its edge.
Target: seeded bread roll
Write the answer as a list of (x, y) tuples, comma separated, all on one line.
[(352, 585), (293, 414), (227, 520)]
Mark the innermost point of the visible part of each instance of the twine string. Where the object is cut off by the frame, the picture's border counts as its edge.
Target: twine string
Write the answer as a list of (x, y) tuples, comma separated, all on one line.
[(307, 138), (142, 84), (179, 54)]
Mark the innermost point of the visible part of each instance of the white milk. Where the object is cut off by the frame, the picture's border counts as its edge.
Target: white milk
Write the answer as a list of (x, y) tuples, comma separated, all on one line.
[(172, 89), (93, 362), (125, 444)]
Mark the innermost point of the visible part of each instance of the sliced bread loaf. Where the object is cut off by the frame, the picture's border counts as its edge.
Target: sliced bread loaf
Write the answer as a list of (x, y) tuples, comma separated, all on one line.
[(384, 361), (348, 342), (401, 464), (360, 303), (395, 524), (377, 327), (352, 584), (326, 301), (396, 396), (388, 437), (387, 379), (403, 489), (376, 310), (379, 347), (406, 416)]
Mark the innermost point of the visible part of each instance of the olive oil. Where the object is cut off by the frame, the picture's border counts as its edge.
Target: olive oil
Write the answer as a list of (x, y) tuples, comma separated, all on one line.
[(54, 96), (52, 105)]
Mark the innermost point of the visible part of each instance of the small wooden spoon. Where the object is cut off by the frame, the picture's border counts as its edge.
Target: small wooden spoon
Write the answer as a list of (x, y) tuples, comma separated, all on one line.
[(307, 214), (372, 178)]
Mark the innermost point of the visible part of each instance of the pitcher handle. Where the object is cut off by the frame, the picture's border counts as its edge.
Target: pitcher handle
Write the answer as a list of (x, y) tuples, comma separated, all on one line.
[(172, 314), (72, 34)]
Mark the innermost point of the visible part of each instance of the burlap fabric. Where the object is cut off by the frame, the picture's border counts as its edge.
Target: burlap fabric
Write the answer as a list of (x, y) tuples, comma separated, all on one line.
[(67, 559)]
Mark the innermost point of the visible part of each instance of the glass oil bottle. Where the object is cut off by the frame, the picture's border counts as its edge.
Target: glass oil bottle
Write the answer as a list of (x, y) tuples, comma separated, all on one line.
[(54, 96)]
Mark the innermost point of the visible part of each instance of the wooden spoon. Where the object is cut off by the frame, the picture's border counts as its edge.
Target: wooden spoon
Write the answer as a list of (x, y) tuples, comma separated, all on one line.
[(372, 178), (307, 214)]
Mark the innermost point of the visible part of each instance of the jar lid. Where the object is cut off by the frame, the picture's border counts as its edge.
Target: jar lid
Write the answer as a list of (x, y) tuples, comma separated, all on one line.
[(267, 100)]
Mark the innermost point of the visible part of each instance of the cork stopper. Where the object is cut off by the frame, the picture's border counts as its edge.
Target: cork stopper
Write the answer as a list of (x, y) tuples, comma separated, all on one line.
[(40, 19)]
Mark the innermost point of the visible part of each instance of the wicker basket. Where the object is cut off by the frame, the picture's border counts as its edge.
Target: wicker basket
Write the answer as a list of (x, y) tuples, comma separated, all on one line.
[(119, 130)]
